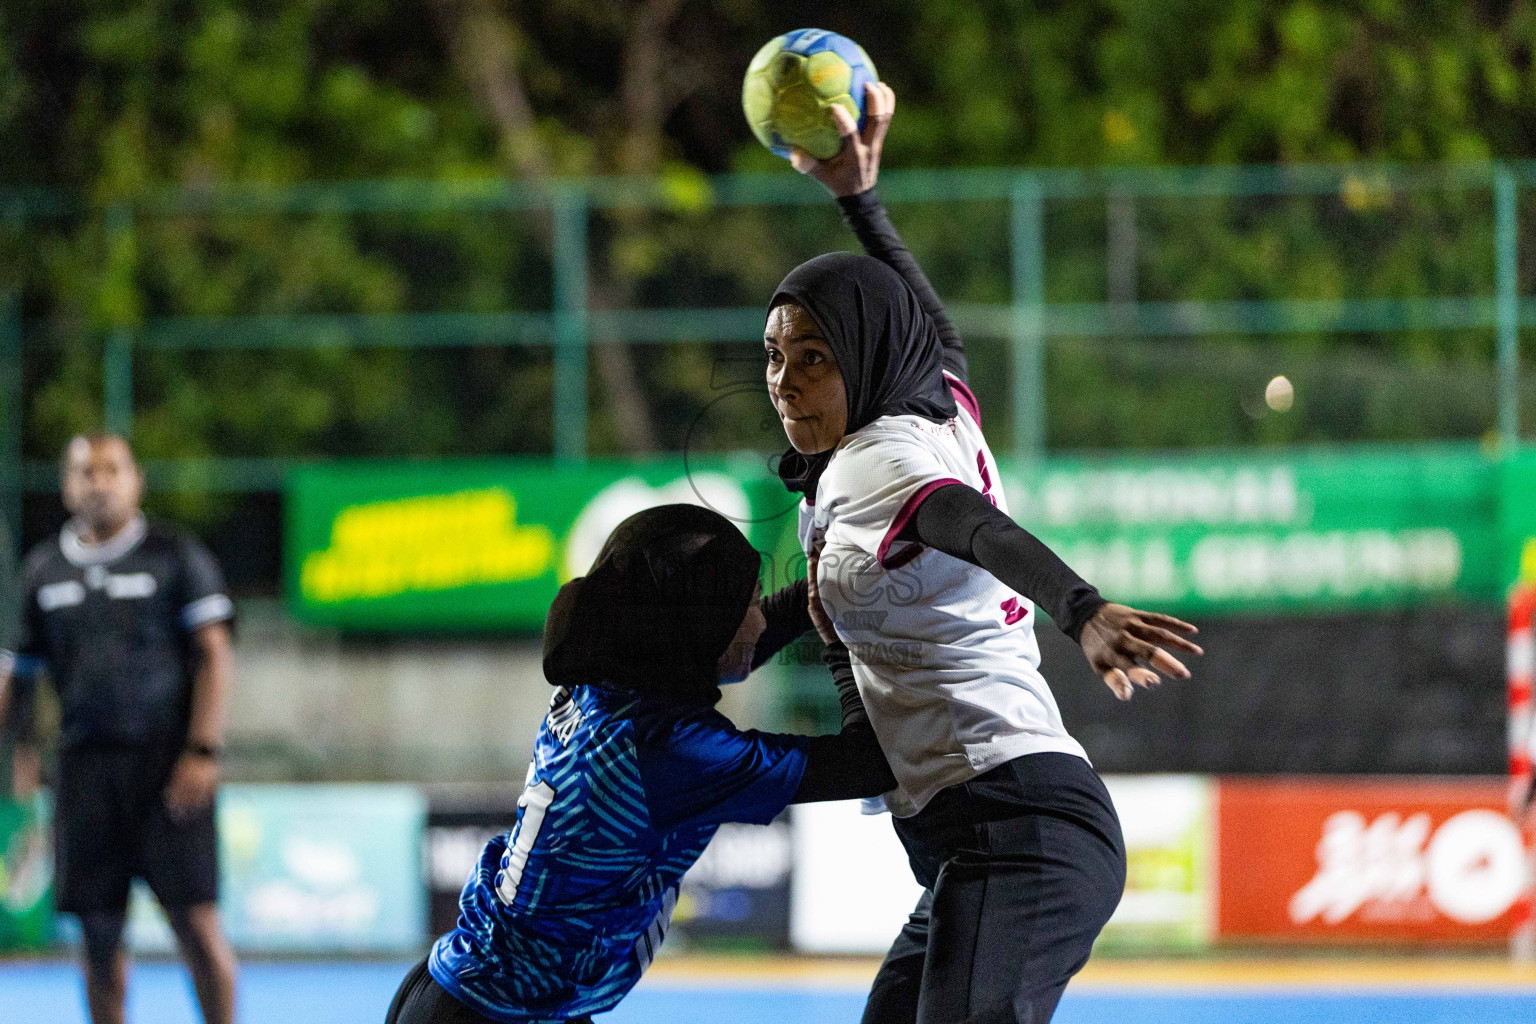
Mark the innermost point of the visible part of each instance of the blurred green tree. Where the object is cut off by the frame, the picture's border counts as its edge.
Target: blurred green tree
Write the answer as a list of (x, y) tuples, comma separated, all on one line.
[(112, 102)]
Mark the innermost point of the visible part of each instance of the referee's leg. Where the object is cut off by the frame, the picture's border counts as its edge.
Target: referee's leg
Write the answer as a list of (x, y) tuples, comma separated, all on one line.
[(96, 847), (104, 963), (181, 865), (208, 957)]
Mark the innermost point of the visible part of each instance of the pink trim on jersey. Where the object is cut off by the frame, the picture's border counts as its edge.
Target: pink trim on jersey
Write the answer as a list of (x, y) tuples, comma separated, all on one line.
[(964, 396), (908, 510)]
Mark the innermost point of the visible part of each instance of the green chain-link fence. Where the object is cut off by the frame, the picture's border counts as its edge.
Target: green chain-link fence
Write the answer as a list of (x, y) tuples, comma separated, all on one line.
[(1125, 308)]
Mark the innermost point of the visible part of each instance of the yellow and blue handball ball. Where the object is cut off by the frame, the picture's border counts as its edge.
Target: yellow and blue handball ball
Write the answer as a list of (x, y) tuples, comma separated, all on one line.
[(792, 84)]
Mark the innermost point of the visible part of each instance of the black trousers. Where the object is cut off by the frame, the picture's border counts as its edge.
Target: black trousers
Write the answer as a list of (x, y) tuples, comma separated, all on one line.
[(421, 1000), (1022, 867)]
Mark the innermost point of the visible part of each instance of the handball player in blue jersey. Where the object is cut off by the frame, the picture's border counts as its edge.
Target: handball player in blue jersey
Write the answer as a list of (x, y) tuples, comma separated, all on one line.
[(633, 771)]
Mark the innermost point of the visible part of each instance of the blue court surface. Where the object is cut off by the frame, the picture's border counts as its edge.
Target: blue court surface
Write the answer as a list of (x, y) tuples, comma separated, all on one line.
[(358, 993)]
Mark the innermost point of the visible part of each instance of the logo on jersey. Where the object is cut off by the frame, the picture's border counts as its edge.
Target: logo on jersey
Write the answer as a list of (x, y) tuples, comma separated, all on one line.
[(60, 595), (132, 585), (1012, 612), (69, 593)]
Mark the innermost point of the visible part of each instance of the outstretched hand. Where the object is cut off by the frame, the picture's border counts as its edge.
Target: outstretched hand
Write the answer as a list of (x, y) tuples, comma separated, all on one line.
[(1125, 647), (857, 165)]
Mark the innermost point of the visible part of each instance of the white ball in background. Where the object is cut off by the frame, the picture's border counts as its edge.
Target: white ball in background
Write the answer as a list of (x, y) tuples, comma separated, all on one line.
[(1279, 394)]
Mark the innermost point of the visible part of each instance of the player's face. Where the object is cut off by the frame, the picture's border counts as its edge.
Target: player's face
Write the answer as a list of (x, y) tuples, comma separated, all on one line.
[(804, 381), (102, 484), (736, 662)]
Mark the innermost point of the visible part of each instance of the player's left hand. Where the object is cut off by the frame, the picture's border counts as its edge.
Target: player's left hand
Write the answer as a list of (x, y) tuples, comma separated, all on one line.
[(1123, 646), (193, 785), (857, 165), (26, 771)]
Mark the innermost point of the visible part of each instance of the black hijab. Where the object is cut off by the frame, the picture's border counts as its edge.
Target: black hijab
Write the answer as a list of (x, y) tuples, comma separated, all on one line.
[(886, 345), (658, 608)]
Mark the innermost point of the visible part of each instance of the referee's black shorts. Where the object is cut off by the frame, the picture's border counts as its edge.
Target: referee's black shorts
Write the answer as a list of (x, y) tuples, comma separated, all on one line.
[(111, 825)]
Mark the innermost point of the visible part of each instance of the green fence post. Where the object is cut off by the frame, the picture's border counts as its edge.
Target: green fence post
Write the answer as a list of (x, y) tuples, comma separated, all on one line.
[(1027, 321), (117, 383), (10, 419), (570, 259), (117, 358), (1506, 229)]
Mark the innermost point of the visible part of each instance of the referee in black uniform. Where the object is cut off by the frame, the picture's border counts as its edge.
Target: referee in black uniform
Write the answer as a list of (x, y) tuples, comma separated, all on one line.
[(131, 623)]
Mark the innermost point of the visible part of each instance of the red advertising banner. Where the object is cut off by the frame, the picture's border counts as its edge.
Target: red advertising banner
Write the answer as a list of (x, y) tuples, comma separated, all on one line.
[(1388, 860)]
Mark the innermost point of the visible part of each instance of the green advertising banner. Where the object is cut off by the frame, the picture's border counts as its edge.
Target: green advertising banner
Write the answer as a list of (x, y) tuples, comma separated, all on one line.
[(1517, 517), (485, 545), (1304, 531), (26, 874)]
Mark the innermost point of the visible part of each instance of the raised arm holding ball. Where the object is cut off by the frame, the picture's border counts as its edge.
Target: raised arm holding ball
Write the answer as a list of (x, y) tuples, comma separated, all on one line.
[(929, 582), (1120, 643)]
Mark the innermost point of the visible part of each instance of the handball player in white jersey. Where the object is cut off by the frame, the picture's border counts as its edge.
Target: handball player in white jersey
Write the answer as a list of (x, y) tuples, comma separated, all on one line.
[(933, 588)]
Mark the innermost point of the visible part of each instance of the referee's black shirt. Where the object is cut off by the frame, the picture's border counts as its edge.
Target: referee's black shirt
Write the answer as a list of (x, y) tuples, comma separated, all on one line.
[(112, 622)]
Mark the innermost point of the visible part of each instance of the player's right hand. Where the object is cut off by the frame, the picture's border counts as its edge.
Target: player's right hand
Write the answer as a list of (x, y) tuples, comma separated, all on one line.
[(193, 785), (26, 772), (1123, 646), (857, 165)]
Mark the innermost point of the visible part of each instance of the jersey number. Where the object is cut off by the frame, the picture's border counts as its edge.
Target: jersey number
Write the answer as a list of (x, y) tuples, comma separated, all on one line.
[(534, 803)]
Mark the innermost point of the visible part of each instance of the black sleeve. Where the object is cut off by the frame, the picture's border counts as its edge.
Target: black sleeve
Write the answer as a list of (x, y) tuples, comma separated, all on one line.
[(26, 639), (865, 214), (25, 647), (789, 617), (960, 521), (851, 764), (20, 725), (203, 596)]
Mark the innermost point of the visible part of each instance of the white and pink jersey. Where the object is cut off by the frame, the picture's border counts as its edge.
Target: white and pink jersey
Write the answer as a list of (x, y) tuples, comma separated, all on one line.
[(944, 654)]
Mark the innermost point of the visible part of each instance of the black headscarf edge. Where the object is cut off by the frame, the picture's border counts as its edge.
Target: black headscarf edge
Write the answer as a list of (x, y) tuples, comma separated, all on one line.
[(662, 601), (886, 345)]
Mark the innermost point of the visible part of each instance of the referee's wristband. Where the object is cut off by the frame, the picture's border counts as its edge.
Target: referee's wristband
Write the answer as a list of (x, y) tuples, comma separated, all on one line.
[(207, 750)]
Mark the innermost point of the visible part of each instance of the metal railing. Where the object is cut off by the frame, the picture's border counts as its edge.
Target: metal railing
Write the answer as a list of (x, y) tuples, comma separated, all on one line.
[(569, 327)]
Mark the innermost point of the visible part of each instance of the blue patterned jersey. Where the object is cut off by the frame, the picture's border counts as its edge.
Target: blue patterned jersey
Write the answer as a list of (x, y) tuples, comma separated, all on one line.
[(565, 912)]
